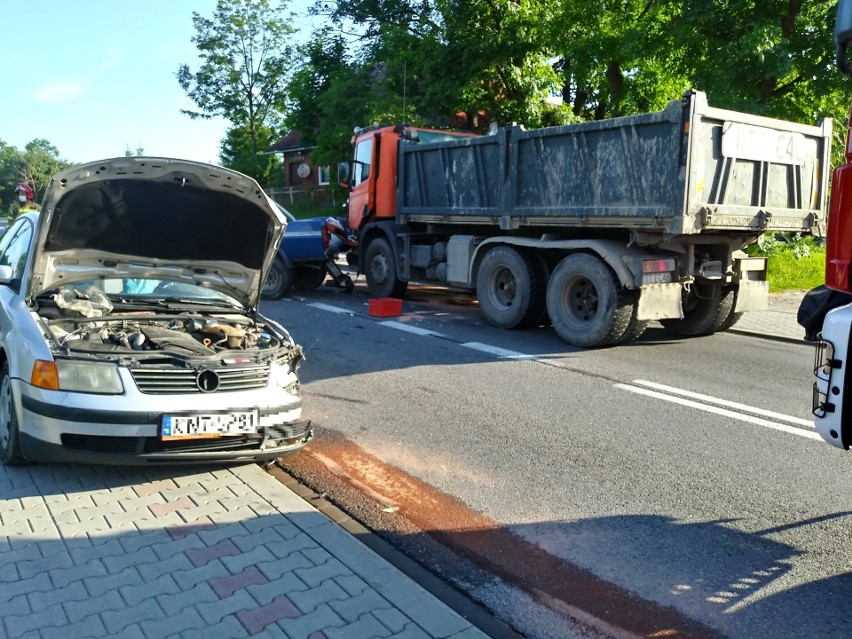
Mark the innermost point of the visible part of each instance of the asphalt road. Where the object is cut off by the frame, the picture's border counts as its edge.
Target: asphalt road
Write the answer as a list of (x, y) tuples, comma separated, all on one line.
[(684, 471)]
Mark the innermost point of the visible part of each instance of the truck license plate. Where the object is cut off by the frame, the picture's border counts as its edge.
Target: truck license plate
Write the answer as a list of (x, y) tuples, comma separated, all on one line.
[(656, 278), (209, 425)]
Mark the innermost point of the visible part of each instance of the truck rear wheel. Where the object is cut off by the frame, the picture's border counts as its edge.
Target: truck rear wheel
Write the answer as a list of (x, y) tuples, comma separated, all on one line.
[(706, 308), (586, 303), (636, 327), (307, 278), (733, 317), (380, 269), (510, 287), (277, 282)]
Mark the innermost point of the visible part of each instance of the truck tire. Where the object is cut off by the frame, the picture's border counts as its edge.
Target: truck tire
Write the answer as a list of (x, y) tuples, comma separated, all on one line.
[(10, 435), (380, 269), (586, 303), (277, 282), (511, 288), (705, 311), (307, 278), (733, 317), (636, 327)]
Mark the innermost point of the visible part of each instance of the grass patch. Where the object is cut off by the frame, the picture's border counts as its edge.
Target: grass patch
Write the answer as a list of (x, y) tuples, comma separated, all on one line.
[(795, 263)]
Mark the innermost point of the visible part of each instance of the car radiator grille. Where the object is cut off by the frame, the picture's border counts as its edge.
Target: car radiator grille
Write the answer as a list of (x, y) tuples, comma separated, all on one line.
[(164, 381)]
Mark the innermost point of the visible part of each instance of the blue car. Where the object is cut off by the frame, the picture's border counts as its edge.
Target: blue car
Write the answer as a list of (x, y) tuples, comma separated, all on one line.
[(300, 262)]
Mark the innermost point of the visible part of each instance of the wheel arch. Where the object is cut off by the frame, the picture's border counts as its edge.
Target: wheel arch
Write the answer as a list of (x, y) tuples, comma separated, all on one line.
[(614, 254), (390, 231)]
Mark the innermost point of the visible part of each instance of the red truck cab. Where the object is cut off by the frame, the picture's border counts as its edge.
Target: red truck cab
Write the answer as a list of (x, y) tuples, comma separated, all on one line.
[(838, 256), (839, 238), (832, 390)]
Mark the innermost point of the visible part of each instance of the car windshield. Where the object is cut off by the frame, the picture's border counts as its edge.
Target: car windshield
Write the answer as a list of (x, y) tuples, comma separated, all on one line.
[(290, 217), (149, 289)]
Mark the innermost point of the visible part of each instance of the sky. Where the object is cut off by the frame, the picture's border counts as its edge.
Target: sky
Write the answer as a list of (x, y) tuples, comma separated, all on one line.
[(97, 77)]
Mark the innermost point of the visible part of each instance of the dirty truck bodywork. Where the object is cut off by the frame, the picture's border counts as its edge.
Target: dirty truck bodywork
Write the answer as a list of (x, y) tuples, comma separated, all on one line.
[(598, 227)]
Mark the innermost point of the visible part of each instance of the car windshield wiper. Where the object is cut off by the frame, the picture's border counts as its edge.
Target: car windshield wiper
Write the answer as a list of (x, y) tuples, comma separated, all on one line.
[(190, 301)]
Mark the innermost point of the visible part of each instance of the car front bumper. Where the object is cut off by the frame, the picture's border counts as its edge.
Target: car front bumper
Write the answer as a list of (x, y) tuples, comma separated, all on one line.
[(75, 427)]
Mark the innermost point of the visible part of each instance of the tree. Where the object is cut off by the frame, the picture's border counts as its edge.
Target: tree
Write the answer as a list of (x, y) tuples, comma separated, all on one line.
[(35, 166), (236, 152), (246, 62), (618, 59), (445, 57), (329, 96)]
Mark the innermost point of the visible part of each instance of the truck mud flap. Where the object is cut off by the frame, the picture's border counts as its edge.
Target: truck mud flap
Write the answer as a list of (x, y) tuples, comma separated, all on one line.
[(660, 301), (752, 295)]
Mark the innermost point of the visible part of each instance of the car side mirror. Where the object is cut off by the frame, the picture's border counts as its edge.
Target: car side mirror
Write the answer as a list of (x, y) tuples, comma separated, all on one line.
[(6, 274), (843, 33), (344, 172)]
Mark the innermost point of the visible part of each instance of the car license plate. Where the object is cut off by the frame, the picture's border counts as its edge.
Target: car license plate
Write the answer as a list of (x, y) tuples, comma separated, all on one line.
[(208, 425)]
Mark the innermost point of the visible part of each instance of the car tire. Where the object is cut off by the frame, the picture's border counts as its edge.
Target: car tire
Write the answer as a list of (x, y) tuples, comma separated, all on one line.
[(10, 435), (278, 281), (307, 278), (380, 265)]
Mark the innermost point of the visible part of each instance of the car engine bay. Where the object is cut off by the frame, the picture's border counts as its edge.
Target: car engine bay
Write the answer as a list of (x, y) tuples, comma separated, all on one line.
[(88, 321)]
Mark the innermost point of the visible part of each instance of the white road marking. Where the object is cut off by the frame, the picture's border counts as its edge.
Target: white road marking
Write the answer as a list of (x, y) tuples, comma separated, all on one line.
[(499, 352), (792, 430), (724, 402), (329, 307), (408, 328)]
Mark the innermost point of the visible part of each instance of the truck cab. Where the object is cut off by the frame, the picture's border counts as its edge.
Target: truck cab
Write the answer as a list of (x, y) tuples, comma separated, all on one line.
[(832, 395), (373, 175)]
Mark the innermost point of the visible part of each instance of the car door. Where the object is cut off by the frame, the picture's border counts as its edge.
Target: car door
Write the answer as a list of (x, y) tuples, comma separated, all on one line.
[(15, 249)]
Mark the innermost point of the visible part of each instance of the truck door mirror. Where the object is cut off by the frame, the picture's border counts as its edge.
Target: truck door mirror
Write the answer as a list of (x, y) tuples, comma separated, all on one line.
[(343, 174), (843, 33)]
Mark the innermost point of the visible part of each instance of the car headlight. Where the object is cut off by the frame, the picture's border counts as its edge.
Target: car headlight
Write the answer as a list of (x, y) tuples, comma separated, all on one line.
[(84, 377)]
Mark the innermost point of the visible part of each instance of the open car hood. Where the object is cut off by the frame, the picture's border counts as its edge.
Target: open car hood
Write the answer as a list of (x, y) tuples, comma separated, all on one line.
[(156, 218)]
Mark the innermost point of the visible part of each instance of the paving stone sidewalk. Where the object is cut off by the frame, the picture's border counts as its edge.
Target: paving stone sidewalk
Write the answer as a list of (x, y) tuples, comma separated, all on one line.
[(177, 552), (772, 324), (778, 322)]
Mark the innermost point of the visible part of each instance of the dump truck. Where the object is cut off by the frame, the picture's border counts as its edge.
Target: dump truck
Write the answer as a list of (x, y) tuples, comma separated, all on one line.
[(597, 228)]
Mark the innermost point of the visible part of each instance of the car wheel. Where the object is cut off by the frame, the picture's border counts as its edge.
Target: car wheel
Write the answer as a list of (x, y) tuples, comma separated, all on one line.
[(382, 280), (277, 282), (586, 303), (10, 436), (307, 278), (510, 287)]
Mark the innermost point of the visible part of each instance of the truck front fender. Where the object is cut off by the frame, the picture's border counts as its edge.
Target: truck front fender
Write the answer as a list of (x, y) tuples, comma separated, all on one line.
[(395, 235)]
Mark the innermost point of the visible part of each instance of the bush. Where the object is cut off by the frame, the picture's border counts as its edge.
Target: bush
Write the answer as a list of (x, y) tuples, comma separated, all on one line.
[(795, 262)]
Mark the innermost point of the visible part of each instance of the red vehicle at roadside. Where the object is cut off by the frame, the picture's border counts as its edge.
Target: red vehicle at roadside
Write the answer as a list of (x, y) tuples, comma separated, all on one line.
[(832, 396)]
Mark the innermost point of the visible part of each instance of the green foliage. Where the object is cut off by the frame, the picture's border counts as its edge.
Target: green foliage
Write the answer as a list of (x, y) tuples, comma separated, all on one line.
[(237, 151), (795, 262), (35, 165), (246, 62), (507, 58)]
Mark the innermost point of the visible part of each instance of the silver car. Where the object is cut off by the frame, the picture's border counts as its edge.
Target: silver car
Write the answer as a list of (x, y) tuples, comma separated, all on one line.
[(129, 324)]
